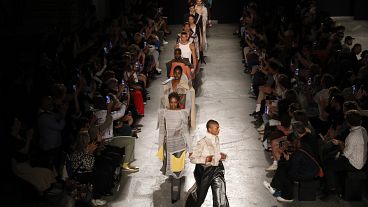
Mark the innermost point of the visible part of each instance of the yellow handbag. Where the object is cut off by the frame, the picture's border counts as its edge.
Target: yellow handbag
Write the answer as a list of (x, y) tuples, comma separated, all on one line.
[(177, 164), (160, 153)]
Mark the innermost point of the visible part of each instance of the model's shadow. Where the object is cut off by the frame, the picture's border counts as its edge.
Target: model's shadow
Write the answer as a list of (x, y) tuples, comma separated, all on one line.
[(162, 196)]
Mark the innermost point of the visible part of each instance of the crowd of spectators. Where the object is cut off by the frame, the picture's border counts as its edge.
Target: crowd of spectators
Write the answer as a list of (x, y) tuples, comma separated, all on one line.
[(310, 83), (90, 89)]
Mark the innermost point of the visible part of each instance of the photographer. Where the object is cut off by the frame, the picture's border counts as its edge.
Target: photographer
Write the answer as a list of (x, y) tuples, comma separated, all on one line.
[(295, 165)]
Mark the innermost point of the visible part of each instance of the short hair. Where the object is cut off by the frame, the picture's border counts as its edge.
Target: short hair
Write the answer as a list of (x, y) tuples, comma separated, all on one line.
[(210, 123), (327, 81), (353, 118), (350, 105), (186, 23), (183, 33), (177, 50), (300, 115), (299, 127), (179, 68), (174, 95)]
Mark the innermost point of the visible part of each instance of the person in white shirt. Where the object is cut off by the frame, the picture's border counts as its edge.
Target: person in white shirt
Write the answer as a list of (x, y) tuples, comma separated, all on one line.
[(354, 150), (209, 170)]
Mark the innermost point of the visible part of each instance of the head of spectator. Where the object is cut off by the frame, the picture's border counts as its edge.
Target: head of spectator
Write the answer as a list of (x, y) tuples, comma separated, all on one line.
[(364, 55), (349, 40), (349, 105), (353, 118), (291, 96), (174, 99), (47, 104), (58, 92), (273, 66), (292, 108), (81, 142), (356, 49), (178, 72), (112, 85), (327, 81), (337, 102), (284, 82), (301, 115)]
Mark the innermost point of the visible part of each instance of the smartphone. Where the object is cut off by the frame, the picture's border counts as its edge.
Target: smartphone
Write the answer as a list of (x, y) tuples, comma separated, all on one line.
[(108, 99), (145, 44), (105, 50), (297, 71), (354, 89), (309, 81), (267, 110)]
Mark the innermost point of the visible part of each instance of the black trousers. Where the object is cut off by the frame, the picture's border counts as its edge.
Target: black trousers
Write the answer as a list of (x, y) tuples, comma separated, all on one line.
[(207, 177), (282, 181), (335, 168)]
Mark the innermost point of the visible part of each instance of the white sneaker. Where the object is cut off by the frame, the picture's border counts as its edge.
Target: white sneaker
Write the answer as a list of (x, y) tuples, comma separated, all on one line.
[(159, 70), (283, 200), (98, 202), (272, 167), (165, 42), (261, 128), (267, 185)]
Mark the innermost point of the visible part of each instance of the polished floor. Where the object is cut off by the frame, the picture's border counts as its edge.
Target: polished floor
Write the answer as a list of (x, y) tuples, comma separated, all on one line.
[(223, 96)]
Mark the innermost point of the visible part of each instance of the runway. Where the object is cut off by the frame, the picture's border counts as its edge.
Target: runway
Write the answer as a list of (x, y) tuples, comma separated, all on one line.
[(223, 96)]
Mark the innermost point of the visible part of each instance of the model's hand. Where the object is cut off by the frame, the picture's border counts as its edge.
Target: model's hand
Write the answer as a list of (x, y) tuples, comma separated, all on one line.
[(209, 158)]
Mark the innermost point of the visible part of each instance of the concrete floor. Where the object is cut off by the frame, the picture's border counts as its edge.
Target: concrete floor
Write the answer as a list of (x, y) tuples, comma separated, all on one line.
[(223, 97)]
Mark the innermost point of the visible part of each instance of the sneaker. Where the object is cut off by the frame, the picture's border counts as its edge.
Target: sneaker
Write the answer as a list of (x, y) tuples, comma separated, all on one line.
[(98, 202), (261, 128), (165, 42), (267, 185), (133, 167), (272, 167), (283, 200), (129, 170)]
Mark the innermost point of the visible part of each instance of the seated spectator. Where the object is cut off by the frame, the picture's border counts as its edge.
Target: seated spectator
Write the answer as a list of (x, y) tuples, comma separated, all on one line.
[(354, 151), (300, 165), (50, 124), (41, 178), (104, 111), (83, 164)]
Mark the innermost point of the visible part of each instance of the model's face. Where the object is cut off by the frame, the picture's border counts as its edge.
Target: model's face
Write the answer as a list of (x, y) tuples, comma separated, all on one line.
[(173, 103), (199, 2), (177, 55), (187, 28), (177, 74), (191, 20), (191, 9), (184, 37), (214, 129)]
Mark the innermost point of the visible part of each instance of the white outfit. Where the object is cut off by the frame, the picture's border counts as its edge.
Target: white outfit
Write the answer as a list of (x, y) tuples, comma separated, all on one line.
[(356, 147), (185, 51), (207, 146)]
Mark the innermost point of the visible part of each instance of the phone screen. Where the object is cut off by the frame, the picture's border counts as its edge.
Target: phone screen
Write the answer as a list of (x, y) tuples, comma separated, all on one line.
[(108, 99)]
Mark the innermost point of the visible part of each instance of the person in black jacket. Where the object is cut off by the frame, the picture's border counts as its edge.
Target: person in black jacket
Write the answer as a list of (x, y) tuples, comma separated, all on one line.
[(298, 166)]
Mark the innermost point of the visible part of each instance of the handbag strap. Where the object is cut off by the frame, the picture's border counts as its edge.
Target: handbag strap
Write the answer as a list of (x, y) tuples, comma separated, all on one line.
[(310, 156)]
